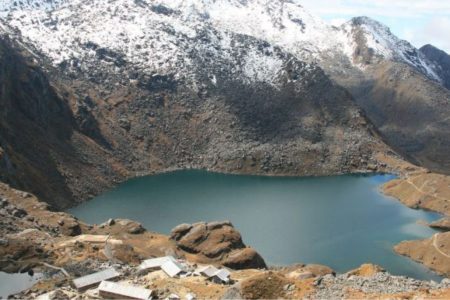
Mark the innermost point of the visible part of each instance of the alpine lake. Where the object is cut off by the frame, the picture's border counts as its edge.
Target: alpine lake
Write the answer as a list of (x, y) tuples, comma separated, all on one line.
[(339, 221)]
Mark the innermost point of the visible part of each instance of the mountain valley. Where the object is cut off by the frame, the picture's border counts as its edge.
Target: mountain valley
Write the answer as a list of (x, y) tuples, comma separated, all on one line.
[(93, 93)]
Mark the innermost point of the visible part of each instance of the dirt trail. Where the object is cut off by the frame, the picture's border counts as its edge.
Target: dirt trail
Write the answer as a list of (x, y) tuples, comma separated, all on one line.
[(420, 190), (436, 246)]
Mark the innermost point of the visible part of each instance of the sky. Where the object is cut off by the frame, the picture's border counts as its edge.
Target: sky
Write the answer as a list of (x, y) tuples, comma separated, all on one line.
[(418, 21)]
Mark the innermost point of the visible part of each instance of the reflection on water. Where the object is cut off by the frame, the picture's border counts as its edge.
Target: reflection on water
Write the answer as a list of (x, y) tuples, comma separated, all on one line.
[(340, 221)]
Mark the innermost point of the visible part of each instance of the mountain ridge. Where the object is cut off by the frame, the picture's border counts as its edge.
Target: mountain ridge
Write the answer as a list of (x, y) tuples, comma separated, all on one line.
[(283, 23), (214, 100)]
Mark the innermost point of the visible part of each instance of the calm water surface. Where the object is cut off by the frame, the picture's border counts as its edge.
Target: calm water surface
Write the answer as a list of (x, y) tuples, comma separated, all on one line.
[(14, 283), (340, 221)]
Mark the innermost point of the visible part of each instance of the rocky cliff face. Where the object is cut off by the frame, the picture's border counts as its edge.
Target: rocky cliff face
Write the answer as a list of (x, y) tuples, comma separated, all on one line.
[(39, 138), (160, 88)]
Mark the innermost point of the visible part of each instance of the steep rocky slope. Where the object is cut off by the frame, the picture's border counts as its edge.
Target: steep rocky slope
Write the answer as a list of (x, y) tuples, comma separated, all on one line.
[(402, 93), (358, 55), (41, 148), (176, 93), (441, 60), (410, 110), (162, 45)]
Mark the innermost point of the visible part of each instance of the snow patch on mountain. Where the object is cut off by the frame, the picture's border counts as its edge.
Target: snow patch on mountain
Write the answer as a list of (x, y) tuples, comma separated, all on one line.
[(261, 67), (284, 23), (154, 38)]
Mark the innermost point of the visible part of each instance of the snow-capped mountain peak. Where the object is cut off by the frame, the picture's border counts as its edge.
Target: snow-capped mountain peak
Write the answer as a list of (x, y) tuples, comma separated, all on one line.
[(58, 26), (383, 44)]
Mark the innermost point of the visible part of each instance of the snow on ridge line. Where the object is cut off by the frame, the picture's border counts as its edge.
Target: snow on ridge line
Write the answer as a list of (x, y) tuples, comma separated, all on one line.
[(288, 25), (380, 38), (281, 23)]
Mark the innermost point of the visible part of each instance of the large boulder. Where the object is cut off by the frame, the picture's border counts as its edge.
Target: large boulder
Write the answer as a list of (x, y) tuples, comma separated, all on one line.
[(246, 258), (129, 226), (217, 241)]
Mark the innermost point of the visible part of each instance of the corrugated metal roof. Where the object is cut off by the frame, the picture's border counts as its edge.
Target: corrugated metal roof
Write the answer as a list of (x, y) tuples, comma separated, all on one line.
[(122, 291), (172, 268), (95, 278), (223, 275), (225, 272), (153, 263), (207, 271)]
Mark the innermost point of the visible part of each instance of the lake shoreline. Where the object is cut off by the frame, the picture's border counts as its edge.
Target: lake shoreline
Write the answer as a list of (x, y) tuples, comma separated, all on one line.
[(110, 205), (54, 232), (393, 165)]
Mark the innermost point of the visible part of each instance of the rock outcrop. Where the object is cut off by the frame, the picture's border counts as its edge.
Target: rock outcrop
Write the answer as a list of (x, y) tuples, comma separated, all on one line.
[(366, 270), (128, 226), (300, 271), (442, 224), (219, 242)]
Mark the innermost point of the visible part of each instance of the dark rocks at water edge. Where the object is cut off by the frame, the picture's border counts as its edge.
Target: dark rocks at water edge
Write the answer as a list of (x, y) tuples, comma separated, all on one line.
[(442, 224), (217, 240)]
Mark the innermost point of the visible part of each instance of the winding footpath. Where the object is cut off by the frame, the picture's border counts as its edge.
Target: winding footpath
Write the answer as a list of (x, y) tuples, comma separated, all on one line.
[(420, 189), (436, 246)]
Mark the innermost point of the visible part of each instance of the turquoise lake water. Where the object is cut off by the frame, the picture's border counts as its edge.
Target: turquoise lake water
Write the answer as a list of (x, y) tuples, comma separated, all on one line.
[(340, 221)]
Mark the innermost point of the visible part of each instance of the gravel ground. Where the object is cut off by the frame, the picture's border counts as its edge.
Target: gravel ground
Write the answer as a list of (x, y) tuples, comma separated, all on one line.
[(335, 287)]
